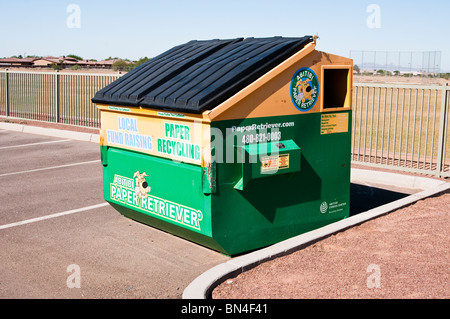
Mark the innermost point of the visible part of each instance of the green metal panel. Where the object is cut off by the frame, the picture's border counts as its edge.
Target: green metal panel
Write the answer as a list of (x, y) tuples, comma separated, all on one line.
[(156, 191), (205, 205), (280, 206), (262, 160)]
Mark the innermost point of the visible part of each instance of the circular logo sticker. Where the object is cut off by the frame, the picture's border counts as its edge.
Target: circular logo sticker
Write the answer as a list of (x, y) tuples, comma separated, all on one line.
[(304, 89), (323, 207)]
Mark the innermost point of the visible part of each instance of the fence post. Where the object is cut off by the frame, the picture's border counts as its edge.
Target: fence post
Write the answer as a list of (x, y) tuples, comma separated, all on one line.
[(442, 130), (57, 100), (7, 112)]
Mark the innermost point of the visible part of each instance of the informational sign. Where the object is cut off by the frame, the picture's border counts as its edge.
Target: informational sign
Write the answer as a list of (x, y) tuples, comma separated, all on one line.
[(155, 135), (331, 123), (135, 192), (274, 163)]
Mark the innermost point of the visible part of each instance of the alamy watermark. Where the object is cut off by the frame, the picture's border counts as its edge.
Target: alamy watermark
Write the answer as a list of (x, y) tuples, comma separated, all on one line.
[(374, 279), (227, 145), (74, 279), (373, 21), (73, 20)]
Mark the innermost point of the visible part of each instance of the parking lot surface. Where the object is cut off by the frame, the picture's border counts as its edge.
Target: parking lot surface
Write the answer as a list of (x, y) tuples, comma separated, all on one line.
[(60, 239)]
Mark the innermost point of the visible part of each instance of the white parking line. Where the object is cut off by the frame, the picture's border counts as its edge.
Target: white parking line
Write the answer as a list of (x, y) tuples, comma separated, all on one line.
[(47, 168), (32, 144), (33, 220)]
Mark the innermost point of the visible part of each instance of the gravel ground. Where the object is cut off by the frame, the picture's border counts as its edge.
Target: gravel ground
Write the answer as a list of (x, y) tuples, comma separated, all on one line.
[(404, 254)]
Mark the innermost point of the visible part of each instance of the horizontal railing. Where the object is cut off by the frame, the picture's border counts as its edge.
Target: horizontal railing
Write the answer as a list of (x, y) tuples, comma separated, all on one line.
[(52, 96), (402, 126), (394, 125)]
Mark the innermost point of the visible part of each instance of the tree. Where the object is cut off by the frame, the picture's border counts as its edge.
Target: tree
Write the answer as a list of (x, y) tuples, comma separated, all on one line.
[(139, 62), (55, 66), (75, 57), (356, 68), (120, 65)]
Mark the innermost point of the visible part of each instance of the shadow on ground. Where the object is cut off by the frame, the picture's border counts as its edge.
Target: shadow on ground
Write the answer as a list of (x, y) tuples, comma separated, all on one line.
[(363, 198)]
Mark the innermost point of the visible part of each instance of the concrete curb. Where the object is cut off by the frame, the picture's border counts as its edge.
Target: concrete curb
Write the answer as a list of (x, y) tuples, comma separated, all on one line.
[(203, 285), (79, 136)]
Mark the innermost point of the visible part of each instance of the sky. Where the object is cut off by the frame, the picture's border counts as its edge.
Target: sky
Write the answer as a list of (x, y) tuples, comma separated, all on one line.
[(132, 29)]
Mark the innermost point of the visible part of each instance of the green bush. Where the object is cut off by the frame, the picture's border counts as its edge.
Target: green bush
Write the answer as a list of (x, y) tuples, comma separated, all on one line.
[(120, 65), (55, 66)]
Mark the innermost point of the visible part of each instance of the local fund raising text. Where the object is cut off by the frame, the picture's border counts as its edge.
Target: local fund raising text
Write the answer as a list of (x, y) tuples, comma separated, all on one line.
[(128, 135)]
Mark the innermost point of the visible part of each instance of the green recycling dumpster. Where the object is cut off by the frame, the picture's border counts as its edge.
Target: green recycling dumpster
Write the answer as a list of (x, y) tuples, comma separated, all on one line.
[(232, 144)]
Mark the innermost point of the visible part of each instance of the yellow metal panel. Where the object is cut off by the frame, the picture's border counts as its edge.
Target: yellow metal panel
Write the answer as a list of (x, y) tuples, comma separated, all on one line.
[(270, 95), (154, 112), (177, 136)]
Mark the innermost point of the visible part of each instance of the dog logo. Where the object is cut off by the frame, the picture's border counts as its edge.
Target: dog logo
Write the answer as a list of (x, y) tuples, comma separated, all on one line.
[(141, 186), (304, 89)]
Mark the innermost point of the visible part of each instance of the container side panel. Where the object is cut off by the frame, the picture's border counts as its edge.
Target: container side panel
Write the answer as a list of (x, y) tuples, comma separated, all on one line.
[(273, 208), (165, 190), (172, 138)]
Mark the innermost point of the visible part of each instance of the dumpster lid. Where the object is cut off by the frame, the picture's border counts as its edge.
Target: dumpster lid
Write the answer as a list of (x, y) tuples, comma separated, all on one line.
[(199, 75)]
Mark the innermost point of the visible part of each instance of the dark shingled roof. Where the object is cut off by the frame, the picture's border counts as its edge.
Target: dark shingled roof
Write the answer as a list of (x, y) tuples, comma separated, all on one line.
[(199, 75)]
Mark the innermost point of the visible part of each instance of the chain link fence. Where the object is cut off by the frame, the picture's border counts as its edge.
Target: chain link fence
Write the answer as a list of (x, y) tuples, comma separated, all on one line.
[(404, 67)]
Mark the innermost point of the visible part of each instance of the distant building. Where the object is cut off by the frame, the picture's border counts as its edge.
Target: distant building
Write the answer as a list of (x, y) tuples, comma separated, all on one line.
[(63, 62), (17, 62), (106, 64)]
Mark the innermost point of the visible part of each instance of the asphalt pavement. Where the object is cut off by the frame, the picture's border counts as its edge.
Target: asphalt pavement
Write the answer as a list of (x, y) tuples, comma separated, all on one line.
[(60, 239)]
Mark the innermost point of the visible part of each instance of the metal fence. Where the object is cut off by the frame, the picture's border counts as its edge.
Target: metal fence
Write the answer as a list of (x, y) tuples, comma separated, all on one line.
[(411, 66), (402, 126), (394, 126), (52, 96)]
